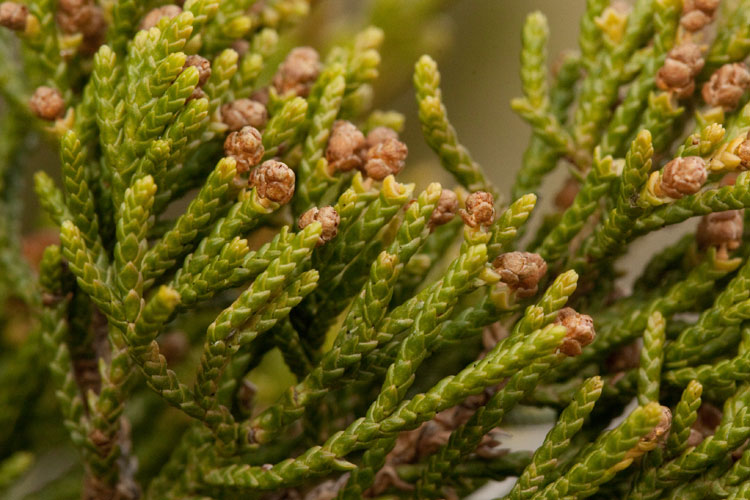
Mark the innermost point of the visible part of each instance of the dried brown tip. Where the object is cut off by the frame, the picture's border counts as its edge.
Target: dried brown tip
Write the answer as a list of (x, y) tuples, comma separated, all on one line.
[(243, 113), (273, 181), (380, 134), (682, 65), (345, 147), (580, 329), (659, 433), (328, 218), (480, 209), (13, 16), (722, 230), (726, 86), (386, 158), (521, 271), (153, 17), (683, 176), (246, 147), (446, 209), (203, 66), (47, 103), (298, 72), (567, 194)]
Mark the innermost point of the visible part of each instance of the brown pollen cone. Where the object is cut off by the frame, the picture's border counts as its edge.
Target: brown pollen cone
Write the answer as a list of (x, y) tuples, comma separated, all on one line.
[(345, 147), (682, 65), (722, 230), (386, 158), (521, 271), (244, 113), (246, 147), (580, 331), (273, 181), (480, 209), (696, 14), (683, 176), (446, 209), (726, 86), (298, 72), (13, 16), (328, 218), (743, 152), (203, 66), (47, 103), (380, 134)]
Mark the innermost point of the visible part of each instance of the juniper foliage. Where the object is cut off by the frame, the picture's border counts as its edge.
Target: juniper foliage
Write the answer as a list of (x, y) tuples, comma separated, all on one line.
[(227, 211)]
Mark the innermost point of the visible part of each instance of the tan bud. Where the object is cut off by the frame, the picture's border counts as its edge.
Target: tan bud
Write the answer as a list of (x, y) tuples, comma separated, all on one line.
[(298, 72), (345, 147), (328, 218), (580, 329), (521, 271), (386, 158), (13, 16), (683, 176), (446, 209), (47, 103), (726, 86), (243, 113), (480, 209), (203, 66), (246, 147), (380, 134), (154, 16), (721, 229), (273, 181)]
